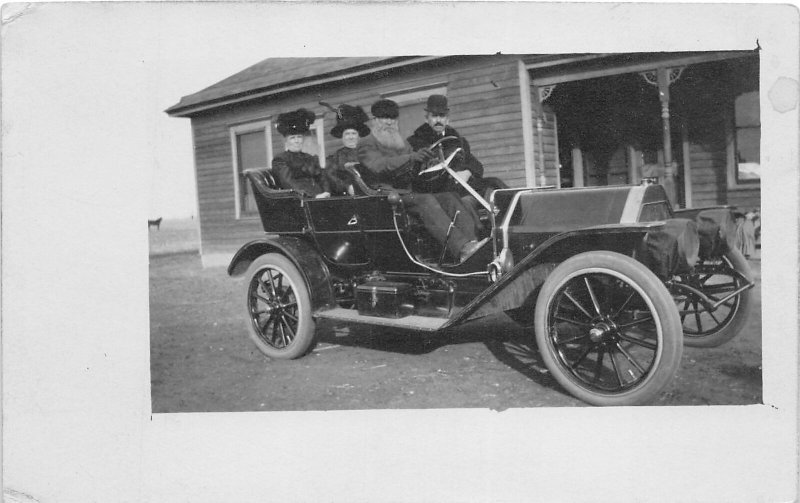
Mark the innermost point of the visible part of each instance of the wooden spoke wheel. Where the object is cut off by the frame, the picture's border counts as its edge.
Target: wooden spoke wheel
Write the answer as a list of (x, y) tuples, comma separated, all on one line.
[(278, 308), (608, 329), (717, 279)]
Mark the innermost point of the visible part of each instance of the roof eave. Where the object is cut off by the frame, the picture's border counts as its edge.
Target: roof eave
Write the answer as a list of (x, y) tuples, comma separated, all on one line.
[(179, 110)]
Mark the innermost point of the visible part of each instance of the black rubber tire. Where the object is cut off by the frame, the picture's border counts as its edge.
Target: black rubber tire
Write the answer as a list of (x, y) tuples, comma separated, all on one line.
[(278, 311), (734, 313), (603, 325)]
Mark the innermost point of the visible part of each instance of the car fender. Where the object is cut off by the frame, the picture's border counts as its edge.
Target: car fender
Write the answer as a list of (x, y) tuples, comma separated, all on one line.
[(302, 254), (514, 287)]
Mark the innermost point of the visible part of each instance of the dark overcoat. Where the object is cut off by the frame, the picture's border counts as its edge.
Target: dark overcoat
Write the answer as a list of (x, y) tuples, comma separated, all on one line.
[(300, 171)]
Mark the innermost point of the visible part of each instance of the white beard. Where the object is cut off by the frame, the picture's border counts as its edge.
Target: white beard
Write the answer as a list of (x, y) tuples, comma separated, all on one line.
[(388, 136)]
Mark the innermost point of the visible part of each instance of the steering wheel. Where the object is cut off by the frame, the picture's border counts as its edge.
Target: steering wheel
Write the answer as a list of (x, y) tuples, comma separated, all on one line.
[(431, 177)]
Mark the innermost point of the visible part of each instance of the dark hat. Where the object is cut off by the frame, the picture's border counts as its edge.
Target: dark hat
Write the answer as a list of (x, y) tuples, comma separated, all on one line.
[(296, 122), (437, 104), (385, 108), (350, 117)]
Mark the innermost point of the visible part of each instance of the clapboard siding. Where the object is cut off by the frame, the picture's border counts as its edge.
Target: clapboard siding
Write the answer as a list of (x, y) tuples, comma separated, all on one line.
[(485, 108)]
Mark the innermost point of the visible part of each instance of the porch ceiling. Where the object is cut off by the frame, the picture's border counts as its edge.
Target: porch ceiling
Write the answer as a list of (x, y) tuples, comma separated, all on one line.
[(590, 66)]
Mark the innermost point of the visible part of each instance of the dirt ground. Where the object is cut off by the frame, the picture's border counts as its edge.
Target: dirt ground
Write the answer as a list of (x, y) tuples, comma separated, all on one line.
[(203, 360)]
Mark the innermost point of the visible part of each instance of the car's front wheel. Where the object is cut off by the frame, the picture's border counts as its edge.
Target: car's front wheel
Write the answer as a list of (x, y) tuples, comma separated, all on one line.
[(608, 330), (278, 308)]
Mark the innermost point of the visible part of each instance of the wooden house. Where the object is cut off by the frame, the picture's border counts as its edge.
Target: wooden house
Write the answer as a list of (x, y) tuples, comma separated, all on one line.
[(691, 119)]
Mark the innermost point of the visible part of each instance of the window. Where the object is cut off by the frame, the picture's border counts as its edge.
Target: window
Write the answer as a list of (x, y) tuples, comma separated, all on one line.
[(251, 148), (412, 106), (744, 142)]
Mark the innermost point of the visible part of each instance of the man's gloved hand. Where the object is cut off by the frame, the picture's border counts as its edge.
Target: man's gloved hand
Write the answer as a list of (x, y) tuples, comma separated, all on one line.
[(422, 155)]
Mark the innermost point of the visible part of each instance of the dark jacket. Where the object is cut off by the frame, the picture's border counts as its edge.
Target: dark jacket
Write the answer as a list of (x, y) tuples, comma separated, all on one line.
[(384, 167), (301, 172), (424, 136), (335, 171)]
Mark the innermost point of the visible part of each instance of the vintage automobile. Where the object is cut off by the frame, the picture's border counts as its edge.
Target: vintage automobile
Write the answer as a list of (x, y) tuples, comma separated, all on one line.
[(610, 281)]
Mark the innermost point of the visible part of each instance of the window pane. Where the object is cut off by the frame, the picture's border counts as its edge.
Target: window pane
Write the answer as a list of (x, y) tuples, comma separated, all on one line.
[(252, 148), (747, 110), (251, 151), (748, 137), (411, 117)]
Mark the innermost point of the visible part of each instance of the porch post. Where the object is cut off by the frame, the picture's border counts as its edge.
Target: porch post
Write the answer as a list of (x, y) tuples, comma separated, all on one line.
[(669, 168), (525, 91), (577, 167)]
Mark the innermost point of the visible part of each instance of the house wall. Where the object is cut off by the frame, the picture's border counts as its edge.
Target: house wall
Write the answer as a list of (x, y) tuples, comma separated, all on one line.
[(484, 98), (708, 158)]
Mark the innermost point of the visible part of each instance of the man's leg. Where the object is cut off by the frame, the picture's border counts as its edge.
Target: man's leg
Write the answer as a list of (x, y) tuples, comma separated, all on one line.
[(436, 221), (468, 220)]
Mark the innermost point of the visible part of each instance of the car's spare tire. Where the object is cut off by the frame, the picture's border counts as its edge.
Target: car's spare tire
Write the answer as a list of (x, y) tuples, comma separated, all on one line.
[(671, 249)]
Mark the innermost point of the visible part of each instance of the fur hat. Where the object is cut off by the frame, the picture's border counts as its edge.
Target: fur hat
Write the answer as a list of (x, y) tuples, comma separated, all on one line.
[(385, 108), (437, 104), (350, 117), (296, 122)]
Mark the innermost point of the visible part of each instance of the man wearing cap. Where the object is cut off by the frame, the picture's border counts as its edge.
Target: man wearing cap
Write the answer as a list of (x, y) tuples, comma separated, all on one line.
[(388, 162), (466, 166)]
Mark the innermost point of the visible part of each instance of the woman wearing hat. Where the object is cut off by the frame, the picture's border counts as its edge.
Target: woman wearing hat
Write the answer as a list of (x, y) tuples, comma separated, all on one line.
[(293, 168), (350, 126)]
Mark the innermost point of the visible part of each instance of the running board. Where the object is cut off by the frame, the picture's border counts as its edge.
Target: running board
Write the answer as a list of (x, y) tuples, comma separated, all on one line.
[(413, 322)]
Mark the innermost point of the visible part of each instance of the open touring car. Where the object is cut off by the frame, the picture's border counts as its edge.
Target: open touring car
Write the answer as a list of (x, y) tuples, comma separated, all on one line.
[(611, 281)]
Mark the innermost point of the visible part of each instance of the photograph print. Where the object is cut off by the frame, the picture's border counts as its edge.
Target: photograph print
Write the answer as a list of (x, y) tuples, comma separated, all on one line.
[(465, 231)]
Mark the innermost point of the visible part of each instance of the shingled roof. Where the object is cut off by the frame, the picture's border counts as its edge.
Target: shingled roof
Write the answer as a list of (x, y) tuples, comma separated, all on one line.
[(278, 74)]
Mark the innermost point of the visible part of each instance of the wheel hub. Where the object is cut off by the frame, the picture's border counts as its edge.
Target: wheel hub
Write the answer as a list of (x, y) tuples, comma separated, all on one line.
[(602, 331)]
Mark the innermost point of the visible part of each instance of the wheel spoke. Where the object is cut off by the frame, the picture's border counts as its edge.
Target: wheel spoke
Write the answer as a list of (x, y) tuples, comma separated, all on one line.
[(264, 299), (289, 328), (616, 369), (598, 366), (638, 342), (274, 336), (582, 357), (289, 315), (630, 358), (279, 323), (575, 302), (683, 311), (623, 326), (711, 313), (697, 318), (591, 294), (263, 327), (272, 283), (573, 322), (623, 305)]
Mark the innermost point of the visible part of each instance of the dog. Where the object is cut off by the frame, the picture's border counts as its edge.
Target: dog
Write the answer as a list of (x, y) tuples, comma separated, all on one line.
[(154, 223)]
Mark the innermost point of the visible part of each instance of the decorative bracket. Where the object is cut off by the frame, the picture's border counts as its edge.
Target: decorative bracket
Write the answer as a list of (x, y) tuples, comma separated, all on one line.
[(651, 77), (545, 92)]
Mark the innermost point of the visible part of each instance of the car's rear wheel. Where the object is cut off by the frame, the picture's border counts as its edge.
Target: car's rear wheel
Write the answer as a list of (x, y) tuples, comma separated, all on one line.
[(717, 279), (608, 330), (278, 308)]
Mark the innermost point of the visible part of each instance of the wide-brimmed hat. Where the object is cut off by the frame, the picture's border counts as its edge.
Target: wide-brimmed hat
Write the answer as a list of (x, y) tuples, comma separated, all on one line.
[(385, 108), (297, 122), (437, 104), (350, 117)]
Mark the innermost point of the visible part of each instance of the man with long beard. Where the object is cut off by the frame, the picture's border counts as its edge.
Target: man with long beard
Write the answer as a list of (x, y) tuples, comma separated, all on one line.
[(388, 162)]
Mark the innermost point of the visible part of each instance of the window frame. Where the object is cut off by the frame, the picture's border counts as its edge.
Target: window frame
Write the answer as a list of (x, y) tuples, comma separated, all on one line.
[(731, 148), (318, 129), (415, 94), (264, 125)]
